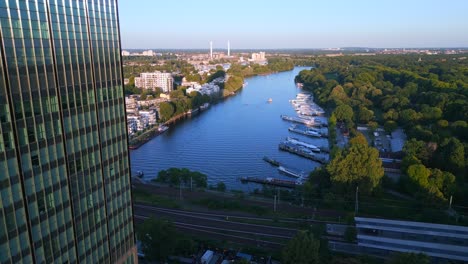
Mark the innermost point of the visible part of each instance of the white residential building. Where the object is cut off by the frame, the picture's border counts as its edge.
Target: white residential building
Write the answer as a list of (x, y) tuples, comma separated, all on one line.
[(207, 88), (132, 124), (148, 53), (151, 80), (258, 56), (151, 115), (125, 53), (130, 102)]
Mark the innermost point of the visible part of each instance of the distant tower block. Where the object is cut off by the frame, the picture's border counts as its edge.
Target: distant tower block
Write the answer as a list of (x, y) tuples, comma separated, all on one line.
[(211, 49), (229, 49)]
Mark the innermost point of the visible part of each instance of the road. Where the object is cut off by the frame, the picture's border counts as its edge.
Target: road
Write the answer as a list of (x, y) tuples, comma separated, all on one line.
[(221, 226)]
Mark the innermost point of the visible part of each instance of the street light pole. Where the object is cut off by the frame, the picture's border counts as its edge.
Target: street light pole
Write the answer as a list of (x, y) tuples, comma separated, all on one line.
[(274, 203), (356, 207), (278, 194)]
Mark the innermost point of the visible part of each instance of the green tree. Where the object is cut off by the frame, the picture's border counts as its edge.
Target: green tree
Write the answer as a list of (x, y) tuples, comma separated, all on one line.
[(418, 149), (450, 156), (419, 175), (234, 83), (442, 123), (302, 249), (332, 120), (364, 115), (407, 161), (391, 114), (176, 176), (358, 165), (166, 109), (443, 181), (193, 78), (158, 239), (410, 258), (431, 113), (221, 187), (144, 95), (196, 99), (338, 95), (433, 184), (409, 116), (344, 113), (177, 94)]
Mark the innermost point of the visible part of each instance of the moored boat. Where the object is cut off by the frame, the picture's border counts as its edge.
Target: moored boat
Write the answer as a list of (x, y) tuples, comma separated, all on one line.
[(162, 128), (271, 161)]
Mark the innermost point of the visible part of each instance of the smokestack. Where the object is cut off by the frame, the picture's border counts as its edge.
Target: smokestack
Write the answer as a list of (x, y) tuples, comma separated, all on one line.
[(229, 49), (211, 49)]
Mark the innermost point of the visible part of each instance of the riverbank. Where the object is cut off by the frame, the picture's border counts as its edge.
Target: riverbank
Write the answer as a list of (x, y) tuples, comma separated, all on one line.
[(146, 136), (220, 143), (140, 140)]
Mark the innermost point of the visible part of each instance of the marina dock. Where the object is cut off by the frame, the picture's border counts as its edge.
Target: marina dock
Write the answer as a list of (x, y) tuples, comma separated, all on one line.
[(292, 172), (307, 132), (271, 161), (297, 142), (299, 120), (300, 151), (272, 182)]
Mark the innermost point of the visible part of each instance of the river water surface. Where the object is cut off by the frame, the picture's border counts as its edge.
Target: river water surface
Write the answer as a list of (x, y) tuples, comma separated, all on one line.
[(229, 140)]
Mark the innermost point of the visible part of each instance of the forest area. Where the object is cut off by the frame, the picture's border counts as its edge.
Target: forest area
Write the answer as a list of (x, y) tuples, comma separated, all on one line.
[(425, 95)]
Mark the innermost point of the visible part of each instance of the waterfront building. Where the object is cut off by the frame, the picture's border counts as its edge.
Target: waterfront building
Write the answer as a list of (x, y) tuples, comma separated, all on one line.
[(64, 166), (151, 116), (136, 123), (132, 124), (205, 89), (152, 80), (151, 102)]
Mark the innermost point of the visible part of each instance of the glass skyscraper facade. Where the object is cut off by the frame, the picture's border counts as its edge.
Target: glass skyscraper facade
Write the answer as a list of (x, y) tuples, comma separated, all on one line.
[(65, 191)]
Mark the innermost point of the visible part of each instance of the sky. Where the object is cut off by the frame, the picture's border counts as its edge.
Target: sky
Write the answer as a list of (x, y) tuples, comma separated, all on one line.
[(275, 24)]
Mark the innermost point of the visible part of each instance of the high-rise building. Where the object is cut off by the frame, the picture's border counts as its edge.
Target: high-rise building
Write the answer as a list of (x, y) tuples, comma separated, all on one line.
[(65, 192), (152, 80), (258, 56), (211, 49)]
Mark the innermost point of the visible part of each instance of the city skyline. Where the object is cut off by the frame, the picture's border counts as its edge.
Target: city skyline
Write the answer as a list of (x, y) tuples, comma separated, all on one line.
[(297, 25)]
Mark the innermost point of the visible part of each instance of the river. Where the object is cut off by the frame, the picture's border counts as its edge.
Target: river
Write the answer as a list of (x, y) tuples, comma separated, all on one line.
[(229, 140)]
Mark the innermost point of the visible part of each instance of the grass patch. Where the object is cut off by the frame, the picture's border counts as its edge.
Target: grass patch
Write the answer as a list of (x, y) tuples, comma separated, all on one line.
[(145, 196)]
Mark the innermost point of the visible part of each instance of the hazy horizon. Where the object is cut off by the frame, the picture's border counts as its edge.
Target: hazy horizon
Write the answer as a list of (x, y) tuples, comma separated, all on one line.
[(294, 24), (296, 49)]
